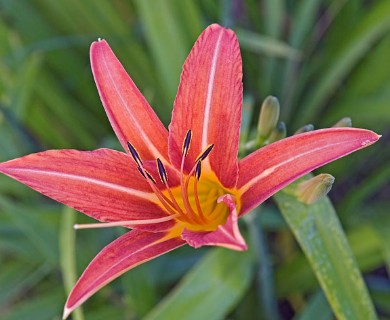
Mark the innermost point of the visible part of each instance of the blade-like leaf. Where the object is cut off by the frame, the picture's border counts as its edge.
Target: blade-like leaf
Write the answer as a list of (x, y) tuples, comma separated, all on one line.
[(258, 43), (317, 308), (374, 25), (165, 25), (41, 235), (44, 306), (325, 245)]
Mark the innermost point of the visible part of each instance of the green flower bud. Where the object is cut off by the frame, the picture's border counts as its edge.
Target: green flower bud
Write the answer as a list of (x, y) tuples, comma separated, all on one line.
[(306, 128), (344, 122), (269, 116), (315, 188)]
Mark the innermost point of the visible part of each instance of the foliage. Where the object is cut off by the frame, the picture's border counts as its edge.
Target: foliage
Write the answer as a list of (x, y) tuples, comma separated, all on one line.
[(323, 59)]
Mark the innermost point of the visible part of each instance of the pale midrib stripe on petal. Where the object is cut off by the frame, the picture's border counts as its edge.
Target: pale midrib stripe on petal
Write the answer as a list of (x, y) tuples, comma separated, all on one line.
[(272, 169), (210, 87), (145, 138), (140, 194)]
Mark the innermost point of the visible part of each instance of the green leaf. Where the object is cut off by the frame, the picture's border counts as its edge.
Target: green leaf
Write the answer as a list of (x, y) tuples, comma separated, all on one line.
[(166, 24), (44, 306), (358, 42), (302, 25), (317, 308), (210, 290), (376, 181), (382, 229), (40, 234), (258, 43), (19, 276), (296, 273), (321, 237), (275, 11), (140, 291)]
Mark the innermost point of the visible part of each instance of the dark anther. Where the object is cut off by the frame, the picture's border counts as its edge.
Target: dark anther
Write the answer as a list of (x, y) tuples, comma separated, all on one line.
[(134, 154), (161, 171), (186, 143), (205, 153), (198, 170)]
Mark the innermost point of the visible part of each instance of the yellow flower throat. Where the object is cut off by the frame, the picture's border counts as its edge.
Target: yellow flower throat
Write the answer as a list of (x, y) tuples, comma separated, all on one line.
[(194, 202)]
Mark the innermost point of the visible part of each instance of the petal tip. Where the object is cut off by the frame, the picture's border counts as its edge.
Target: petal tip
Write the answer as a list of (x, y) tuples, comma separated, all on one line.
[(215, 27), (67, 312), (370, 139), (99, 43)]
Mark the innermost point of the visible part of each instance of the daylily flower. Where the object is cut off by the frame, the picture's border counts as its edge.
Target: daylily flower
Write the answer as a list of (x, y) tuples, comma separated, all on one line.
[(179, 186)]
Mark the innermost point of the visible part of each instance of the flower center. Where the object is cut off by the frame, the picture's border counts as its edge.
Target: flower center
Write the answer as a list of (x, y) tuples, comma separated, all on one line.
[(194, 202), (199, 208)]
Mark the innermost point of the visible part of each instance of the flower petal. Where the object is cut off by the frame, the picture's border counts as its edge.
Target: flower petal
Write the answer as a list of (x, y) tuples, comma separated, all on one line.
[(266, 171), (103, 184), (209, 102), (130, 115), (126, 252), (227, 235)]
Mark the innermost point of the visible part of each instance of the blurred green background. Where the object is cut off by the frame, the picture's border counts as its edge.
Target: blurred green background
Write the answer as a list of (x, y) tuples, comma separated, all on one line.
[(324, 60)]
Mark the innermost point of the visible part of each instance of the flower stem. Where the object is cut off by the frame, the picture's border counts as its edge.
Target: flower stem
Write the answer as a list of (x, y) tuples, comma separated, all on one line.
[(68, 254), (264, 275)]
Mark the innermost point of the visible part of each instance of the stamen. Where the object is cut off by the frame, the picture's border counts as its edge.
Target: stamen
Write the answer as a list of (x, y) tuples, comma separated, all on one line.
[(184, 186), (186, 143), (161, 171), (166, 202), (205, 153), (198, 170), (164, 178), (124, 223), (150, 176), (134, 154), (197, 202), (141, 172)]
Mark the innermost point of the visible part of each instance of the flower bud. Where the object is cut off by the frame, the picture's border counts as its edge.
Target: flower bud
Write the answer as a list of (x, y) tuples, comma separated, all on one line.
[(344, 122), (269, 116), (315, 188), (279, 132), (306, 128)]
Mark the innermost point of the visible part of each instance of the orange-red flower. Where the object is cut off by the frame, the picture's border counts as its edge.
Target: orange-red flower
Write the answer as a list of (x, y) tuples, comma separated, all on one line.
[(179, 186)]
